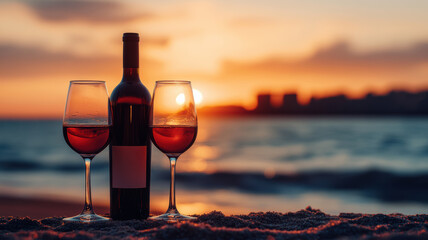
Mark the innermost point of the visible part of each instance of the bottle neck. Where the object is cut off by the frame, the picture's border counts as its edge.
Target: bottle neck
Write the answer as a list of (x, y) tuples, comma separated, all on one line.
[(130, 75), (130, 61), (130, 54)]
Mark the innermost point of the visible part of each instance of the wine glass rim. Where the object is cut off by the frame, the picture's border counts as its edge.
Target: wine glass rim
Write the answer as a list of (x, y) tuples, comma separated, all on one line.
[(172, 81), (87, 81)]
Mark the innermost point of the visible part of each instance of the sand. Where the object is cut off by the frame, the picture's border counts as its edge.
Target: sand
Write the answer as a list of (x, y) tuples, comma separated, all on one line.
[(41, 208), (304, 224)]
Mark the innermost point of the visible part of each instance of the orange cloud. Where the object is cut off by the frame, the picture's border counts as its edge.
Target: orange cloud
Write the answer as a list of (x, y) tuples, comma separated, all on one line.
[(34, 81), (338, 59), (90, 11), (332, 70), (32, 63)]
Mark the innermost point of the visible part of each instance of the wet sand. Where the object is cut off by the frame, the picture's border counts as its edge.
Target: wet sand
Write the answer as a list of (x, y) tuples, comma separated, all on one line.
[(40, 208)]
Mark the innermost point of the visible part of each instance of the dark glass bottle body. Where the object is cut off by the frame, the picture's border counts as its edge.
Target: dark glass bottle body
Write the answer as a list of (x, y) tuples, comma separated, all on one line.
[(130, 147)]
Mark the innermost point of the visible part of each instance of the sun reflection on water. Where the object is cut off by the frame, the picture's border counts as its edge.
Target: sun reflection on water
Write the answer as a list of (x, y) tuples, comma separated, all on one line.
[(205, 152), (200, 157)]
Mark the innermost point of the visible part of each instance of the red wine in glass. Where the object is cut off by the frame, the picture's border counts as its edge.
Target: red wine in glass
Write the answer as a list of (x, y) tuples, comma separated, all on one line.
[(173, 129), (173, 140), (87, 139), (86, 129)]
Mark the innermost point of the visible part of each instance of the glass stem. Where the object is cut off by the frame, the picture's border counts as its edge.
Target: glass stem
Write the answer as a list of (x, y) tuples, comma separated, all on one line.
[(88, 198), (172, 208)]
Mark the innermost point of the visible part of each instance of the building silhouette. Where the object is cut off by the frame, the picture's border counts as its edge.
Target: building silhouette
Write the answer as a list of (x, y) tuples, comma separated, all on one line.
[(290, 103), (394, 103), (264, 103)]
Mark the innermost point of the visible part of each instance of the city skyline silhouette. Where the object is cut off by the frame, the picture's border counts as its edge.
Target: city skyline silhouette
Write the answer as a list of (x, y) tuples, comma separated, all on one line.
[(396, 102)]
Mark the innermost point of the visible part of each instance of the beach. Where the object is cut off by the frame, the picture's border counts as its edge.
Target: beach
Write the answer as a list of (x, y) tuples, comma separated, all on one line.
[(304, 224), (358, 172), (370, 165)]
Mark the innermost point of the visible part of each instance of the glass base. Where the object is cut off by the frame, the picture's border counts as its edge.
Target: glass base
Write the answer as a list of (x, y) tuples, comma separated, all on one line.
[(172, 217), (86, 218)]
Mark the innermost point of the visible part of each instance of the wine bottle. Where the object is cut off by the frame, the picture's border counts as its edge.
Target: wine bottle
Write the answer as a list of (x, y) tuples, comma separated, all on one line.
[(130, 147)]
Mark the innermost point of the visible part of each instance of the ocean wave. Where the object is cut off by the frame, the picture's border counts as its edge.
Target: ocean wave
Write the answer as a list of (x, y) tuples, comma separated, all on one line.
[(381, 185), (24, 165), (377, 184)]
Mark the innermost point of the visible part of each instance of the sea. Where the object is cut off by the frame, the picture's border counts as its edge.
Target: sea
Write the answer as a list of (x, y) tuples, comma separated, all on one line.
[(245, 164)]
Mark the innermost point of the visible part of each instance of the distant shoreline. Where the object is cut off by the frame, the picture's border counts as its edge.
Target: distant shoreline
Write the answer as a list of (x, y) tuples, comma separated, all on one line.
[(399, 103)]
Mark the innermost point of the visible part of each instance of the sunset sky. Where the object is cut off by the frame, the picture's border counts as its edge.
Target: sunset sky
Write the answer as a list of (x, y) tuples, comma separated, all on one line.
[(230, 50)]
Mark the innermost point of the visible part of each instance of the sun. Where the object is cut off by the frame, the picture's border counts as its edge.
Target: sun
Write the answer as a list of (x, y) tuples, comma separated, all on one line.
[(180, 99), (197, 95)]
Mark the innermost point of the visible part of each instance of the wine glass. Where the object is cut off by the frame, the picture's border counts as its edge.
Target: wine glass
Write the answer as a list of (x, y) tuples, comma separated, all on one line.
[(86, 128), (173, 128)]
